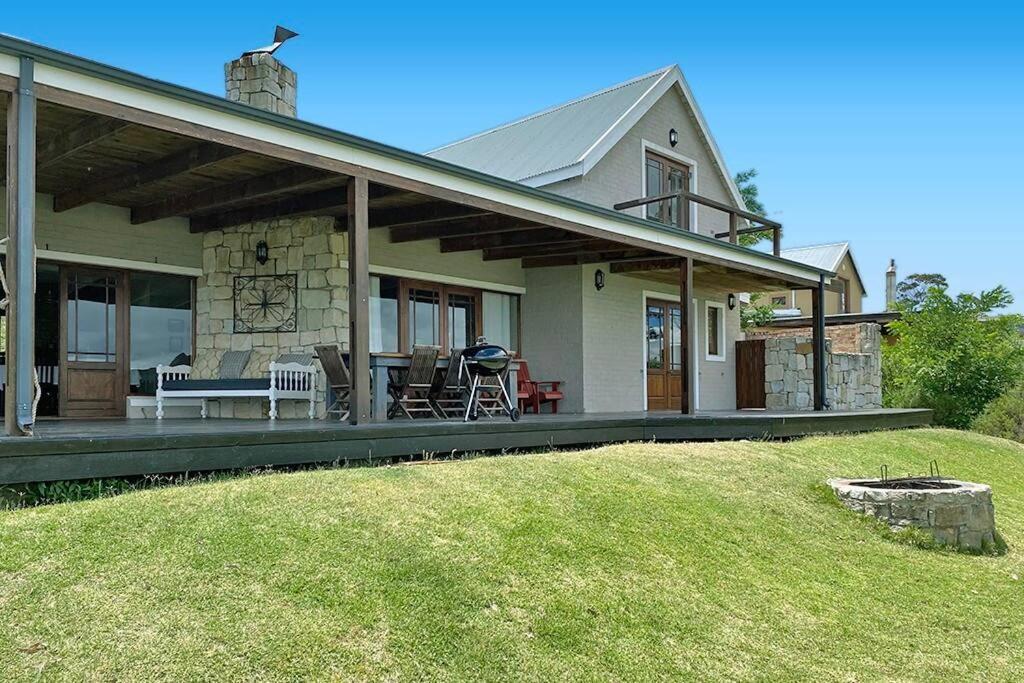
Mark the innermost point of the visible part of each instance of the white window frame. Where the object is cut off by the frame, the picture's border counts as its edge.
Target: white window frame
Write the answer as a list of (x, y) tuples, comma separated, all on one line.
[(708, 305), (647, 145)]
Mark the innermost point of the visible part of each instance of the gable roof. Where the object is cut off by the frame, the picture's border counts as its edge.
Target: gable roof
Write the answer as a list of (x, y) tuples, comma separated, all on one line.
[(569, 139), (825, 256)]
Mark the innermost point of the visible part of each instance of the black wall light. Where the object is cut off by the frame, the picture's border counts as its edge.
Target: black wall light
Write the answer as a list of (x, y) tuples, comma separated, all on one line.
[(262, 252), (673, 137), (732, 301), (599, 279)]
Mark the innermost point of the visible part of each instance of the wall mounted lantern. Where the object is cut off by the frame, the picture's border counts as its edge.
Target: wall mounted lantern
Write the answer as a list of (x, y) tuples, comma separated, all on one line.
[(599, 279), (732, 301), (673, 137), (262, 252)]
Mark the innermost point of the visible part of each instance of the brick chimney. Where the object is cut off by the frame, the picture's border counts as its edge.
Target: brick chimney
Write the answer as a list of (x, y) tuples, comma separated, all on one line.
[(259, 80)]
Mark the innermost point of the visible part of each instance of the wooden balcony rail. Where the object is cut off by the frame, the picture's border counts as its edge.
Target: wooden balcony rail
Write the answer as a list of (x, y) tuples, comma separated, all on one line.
[(683, 216)]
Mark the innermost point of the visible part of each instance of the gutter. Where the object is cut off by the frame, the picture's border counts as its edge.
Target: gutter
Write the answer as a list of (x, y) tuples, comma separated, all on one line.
[(64, 60)]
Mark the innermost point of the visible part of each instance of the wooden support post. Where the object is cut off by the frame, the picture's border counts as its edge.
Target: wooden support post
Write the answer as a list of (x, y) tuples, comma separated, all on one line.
[(777, 241), (733, 227), (688, 334), (359, 298), (21, 226), (818, 344), (684, 207)]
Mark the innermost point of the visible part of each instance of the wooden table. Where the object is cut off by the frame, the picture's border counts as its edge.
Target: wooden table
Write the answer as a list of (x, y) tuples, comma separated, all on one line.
[(382, 363)]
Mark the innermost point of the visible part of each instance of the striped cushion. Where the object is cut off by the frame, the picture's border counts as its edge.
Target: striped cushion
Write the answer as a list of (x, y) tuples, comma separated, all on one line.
[(232, 364), (300, 358)]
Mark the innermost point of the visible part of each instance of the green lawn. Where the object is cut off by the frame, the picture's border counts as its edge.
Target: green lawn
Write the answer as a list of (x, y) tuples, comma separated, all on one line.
[(703, 561)]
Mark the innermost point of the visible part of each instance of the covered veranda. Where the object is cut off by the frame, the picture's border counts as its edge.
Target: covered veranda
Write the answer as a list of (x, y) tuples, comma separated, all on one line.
[(79, 134)]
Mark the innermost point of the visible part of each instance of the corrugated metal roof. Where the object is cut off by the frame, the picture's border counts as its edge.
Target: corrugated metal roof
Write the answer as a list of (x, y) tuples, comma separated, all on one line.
[(826, 256), (551, 139)]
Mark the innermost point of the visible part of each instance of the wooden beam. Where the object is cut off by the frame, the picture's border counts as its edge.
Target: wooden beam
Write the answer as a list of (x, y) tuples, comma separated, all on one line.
[(322, 202), (423, 213), (191, 159), (580, 246), (581, 259), (358, 202), (488, 224), (818, 344), (522, 238), (291, 178), (660, 263), (734, 228), (69, 142)]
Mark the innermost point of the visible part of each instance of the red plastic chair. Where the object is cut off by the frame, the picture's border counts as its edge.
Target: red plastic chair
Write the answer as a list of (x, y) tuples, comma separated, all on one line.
[(532, 393)]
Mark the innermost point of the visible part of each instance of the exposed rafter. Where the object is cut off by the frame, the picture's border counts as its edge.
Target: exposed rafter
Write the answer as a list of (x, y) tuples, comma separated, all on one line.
[(422, 213), (655, 264), (462, 227), (522, 238), (291, 178), (69, 142), (324, 202), (191, 159), (580, 259), (580, 246)]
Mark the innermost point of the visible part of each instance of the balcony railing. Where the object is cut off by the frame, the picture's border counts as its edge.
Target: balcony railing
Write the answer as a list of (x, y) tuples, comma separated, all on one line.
[(757, 223)]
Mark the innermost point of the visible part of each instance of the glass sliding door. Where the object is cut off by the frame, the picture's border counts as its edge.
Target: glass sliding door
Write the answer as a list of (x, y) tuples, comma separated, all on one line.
[(161, 326)]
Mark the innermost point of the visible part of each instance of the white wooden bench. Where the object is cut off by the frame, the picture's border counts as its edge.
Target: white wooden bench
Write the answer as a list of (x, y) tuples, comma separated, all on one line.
[(286, 381)]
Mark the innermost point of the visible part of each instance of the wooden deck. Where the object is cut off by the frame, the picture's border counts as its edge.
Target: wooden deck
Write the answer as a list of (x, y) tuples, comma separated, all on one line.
[(68, 449)]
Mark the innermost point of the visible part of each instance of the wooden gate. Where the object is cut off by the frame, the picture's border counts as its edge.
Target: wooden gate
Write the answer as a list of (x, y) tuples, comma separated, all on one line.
[(750, 374)]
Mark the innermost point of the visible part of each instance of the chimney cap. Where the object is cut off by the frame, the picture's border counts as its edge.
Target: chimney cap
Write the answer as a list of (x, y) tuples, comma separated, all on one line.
[(281, 34)]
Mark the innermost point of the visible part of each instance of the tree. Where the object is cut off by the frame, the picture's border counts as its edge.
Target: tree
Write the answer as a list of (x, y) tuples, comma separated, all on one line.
[(749, 192), (952, 354), (754, 314), (911, 290)]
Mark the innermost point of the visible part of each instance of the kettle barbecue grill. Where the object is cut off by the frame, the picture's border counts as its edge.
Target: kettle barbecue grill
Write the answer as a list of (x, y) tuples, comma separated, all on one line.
[(483, 362)]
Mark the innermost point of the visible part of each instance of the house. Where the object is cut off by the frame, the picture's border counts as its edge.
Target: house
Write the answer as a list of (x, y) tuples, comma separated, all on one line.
[(597, 240), (843, 295)]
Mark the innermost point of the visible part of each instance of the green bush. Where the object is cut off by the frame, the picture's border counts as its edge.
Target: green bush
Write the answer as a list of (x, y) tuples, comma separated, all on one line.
[(1004, 417), (952, 355)]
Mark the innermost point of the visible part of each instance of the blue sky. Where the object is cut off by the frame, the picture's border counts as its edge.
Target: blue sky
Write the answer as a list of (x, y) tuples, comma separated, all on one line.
[(896, 125)]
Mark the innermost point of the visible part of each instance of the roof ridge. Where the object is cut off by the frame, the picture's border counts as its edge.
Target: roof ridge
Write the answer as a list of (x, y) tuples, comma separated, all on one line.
[(819, 246), (558, 107)]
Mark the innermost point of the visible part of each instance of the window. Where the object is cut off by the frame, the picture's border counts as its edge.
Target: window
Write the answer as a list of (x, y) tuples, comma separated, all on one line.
[(663, 176), (92, 318), (715, 331), (406, 313), (161, 320), (779, 301)]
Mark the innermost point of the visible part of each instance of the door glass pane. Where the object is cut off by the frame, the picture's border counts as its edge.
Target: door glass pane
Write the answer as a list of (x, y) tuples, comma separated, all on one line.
[(675, 183), (92, 318), (383, 314), (655, 338), (161, 325), (675, 339), (424, 317), (654, 170), (501, 319), (461, 320)]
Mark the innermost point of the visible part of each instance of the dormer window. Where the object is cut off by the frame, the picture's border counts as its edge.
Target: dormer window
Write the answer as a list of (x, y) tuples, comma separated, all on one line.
[(664, 175)]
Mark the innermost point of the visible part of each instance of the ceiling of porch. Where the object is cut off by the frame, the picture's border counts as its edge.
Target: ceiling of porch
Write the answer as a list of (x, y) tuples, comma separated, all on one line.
[(84, 157)]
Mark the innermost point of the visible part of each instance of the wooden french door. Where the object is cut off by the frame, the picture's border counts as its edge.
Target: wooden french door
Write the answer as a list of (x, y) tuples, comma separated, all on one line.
[(438, 315), (666, 354), (663, 176), (94, 343)]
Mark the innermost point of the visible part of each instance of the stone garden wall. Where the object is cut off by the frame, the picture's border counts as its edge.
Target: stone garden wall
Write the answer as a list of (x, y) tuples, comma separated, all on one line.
[(853, 379), (308, 248)]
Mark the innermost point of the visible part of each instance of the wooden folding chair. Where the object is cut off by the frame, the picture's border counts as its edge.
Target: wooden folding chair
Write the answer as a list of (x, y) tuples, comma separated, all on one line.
[(448, 395), (410, 395), (338, 379)]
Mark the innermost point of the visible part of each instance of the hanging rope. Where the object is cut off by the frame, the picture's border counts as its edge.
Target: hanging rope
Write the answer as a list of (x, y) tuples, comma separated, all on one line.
[(3, 307)]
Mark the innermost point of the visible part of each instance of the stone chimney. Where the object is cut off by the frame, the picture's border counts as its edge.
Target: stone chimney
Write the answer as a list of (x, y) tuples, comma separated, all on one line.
[(259, 80), (890, 286)]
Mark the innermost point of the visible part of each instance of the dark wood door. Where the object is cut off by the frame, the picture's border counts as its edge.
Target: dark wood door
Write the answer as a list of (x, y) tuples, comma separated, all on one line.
[(665, 356), (663, 176), (750, 391), (94, 343)]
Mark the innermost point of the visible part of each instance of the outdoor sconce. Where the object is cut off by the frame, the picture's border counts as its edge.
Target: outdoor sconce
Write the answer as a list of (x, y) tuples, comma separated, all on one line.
[(732, 301), (599, 279), (673, 137), (262, 252)]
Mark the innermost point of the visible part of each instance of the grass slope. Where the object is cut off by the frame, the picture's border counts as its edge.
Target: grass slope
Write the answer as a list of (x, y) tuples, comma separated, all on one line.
[(702, 561)]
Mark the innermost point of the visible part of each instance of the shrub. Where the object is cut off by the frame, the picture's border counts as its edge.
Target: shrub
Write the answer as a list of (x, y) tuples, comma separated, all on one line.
[(952, 355), (1004, 417)]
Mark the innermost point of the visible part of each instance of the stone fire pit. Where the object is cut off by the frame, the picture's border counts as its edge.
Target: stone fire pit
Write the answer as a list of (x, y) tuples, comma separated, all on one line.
[(956, 513)]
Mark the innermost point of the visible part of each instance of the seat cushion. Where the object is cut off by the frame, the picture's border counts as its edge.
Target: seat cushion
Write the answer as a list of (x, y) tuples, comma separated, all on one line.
[(217, 384)]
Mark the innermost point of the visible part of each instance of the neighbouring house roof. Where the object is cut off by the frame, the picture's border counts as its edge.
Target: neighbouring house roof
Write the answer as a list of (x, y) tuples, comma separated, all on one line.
[(824, 256), (567, 140)]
